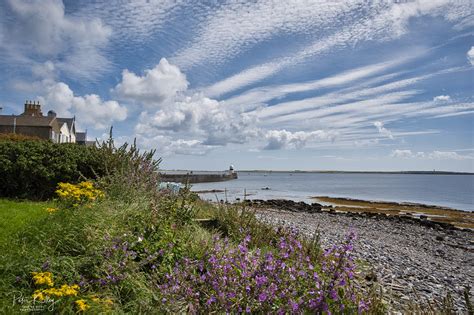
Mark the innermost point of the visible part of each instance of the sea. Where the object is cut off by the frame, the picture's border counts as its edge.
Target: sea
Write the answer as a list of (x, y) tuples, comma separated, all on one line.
[(453, 191)]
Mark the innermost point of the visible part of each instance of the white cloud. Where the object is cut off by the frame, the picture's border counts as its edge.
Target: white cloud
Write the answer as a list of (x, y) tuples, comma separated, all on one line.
[(237, 26), (167, 146), (442, 99), (374, 21), (404, 154), (45, 71), (244, 78), (267, 93), (434, 155), (297, 112), (199, 116), (39, 31), (443, 155), (382, 130), (132, 20), (170, 112), (90, 110), (351, 108), (470, 55), (189, 122), (279, 139), (155, 87)]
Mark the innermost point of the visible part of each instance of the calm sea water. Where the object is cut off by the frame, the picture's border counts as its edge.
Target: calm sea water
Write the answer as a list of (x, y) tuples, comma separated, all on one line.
[(455, 191)]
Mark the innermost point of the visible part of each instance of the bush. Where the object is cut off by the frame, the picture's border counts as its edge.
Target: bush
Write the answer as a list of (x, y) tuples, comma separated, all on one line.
[(32, 169), (18, 137)]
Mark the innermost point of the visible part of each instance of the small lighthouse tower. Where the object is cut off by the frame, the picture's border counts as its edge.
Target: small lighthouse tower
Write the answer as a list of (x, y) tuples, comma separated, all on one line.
[(232, 172)]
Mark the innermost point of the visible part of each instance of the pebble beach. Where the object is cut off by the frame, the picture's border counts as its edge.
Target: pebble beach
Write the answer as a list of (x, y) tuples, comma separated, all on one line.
[(408, 259)]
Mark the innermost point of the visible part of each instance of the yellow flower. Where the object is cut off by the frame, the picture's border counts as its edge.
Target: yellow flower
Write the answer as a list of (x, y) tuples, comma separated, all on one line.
[(43, 278), (95, 299), (79, 193), (53, 292), (69, 289), (51, 210), (82, 305), (108, 302), (38, 295)]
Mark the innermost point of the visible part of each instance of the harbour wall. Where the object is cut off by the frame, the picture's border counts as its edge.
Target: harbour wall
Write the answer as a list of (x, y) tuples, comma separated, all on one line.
[(196, 177)]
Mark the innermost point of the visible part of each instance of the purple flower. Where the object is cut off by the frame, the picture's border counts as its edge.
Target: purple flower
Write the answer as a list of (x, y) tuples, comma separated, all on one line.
[(362, 306), (211, 300), (243, 249), (333, 294), (294, 306), (260, 280), (262, 297)]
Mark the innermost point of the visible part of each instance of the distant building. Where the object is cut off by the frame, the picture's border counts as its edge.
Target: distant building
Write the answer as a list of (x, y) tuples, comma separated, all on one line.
[(81, 137), (32, 122)]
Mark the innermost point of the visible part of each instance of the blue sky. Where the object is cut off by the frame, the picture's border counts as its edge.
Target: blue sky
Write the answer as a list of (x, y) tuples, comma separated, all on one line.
[(309, 85)]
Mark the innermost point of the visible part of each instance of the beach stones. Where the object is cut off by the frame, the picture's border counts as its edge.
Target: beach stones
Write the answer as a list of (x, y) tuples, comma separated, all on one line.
[(412, 259)]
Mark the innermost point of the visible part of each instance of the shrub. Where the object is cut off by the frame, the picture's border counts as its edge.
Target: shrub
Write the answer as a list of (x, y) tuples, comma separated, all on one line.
[(18, 137), (128, 171), (33, 169)]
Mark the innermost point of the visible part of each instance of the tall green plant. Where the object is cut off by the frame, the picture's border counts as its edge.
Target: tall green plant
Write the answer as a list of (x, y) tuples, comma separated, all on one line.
[(127, 170)]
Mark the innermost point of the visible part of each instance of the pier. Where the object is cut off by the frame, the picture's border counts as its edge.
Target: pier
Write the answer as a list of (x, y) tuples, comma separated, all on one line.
[(191, 177)]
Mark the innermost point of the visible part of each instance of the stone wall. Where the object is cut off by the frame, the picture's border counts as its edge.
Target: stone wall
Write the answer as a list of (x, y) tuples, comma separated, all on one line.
[(197, 178)]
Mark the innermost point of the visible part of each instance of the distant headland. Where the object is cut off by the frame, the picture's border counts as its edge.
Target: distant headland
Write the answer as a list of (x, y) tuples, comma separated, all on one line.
[(364, 172)]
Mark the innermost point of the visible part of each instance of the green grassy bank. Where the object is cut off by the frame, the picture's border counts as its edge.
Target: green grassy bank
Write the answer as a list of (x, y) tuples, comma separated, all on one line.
[(117, 244)]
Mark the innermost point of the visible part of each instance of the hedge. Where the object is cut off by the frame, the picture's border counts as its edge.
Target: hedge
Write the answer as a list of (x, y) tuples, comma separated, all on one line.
[(32, 169)]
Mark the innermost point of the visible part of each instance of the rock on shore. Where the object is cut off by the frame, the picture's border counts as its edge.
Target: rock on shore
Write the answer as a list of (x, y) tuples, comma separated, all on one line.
[(410, 259)]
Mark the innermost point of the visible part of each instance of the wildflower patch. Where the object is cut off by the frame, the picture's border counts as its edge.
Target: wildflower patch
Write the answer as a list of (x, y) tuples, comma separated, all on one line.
[(238, 279)]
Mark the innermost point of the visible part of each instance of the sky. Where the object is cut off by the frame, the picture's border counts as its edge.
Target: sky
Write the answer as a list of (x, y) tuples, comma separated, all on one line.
[(282, 85)]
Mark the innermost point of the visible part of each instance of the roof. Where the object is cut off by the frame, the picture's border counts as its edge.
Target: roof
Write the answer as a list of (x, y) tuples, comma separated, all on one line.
[(34, 121), (68, 121), (81, 136)]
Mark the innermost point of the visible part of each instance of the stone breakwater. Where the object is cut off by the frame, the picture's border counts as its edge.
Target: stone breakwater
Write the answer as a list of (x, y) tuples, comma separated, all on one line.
[(412, 260)]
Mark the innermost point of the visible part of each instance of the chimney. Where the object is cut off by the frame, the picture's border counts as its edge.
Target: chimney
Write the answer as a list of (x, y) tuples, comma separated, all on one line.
[(51, 113), (32, 108)]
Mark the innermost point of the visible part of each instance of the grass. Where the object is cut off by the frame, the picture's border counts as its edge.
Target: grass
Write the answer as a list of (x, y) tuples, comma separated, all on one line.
[(17, 215)]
